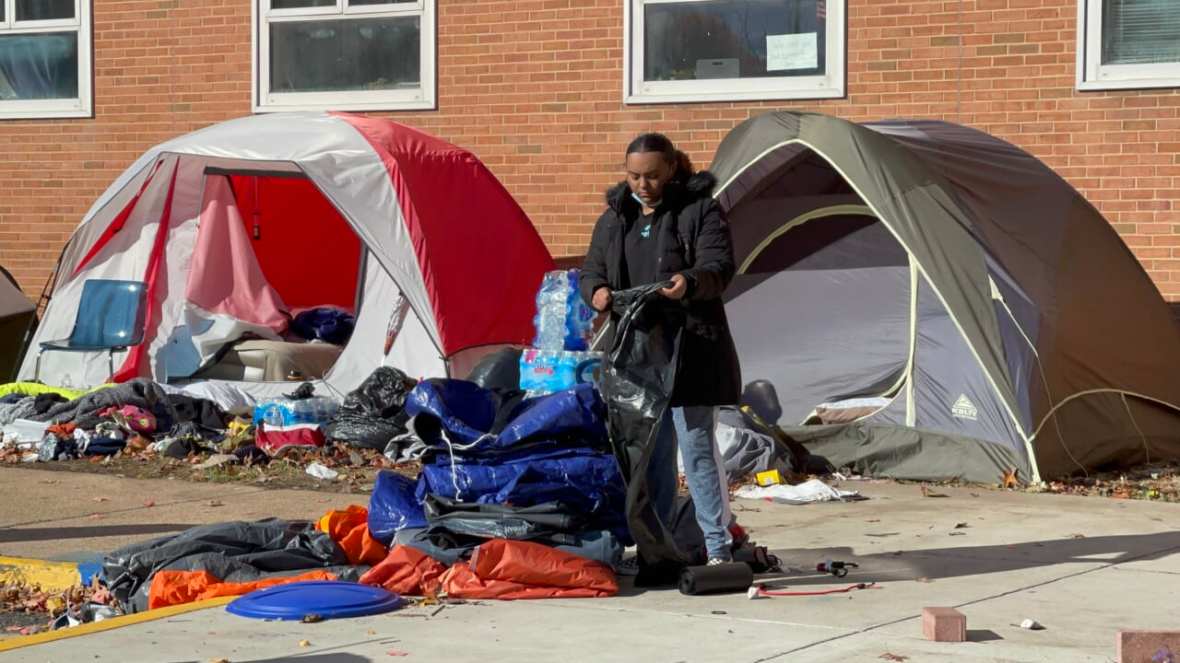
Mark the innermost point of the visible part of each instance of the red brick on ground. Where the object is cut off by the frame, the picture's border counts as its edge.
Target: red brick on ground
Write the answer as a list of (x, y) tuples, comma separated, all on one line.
[(944, 625), (1147, 646)]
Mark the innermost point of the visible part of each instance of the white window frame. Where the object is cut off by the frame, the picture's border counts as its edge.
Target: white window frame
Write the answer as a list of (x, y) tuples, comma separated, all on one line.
[(638, 91), (1093, 75), (263, 101), (82, 105)]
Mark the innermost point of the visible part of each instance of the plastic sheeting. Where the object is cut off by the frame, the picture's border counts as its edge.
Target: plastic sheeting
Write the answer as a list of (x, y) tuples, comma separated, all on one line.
[(393, 506), (232, 551), (460, 416), (637, 381), (585, 481), (510, 570), (406, 571)]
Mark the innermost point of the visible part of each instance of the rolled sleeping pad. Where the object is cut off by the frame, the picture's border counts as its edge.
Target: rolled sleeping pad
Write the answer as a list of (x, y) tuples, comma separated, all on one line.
[(730, 577)]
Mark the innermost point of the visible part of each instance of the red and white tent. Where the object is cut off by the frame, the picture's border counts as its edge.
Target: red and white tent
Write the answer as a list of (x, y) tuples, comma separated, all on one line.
[(237, 226)]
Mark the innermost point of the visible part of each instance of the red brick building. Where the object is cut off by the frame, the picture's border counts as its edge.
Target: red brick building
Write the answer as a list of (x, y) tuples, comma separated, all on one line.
[(548, 92)]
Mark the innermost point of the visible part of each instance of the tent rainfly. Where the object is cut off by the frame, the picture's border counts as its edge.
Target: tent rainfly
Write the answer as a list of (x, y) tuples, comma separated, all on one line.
[(16, 315), (236, 227), (937, 303)]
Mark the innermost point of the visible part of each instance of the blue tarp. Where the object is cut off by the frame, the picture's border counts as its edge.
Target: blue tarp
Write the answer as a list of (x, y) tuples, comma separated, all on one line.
[(548, 449), (588, 482), (393, 506), (474, 421)]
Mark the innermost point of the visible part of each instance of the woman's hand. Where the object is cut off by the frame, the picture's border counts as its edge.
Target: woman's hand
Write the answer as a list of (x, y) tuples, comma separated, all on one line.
[(678, 289), (602, 299)]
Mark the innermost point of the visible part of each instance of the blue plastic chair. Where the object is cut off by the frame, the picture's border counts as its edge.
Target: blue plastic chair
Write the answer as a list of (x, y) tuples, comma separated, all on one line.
[(110, 317)]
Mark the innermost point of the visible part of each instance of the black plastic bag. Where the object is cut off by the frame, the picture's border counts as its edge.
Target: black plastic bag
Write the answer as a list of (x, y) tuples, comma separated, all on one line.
[(637, 381), (499, 370), (373, 413), (326, 324)]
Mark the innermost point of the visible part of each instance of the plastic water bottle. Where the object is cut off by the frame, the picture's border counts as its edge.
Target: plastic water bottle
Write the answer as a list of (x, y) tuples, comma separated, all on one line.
[(579, 317), (551, 312)]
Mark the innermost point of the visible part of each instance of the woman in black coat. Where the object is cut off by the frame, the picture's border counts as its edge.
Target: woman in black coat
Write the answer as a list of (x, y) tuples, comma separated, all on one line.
[(662, 224)]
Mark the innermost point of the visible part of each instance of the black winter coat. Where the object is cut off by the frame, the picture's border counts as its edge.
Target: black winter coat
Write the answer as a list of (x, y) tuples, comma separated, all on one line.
[(694, 241)]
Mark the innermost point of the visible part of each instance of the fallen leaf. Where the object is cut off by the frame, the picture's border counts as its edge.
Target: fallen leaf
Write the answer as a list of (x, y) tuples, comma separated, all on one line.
[(893, 657), (219, 660), (305, 643), (926, 492), (372, 632), (100, 499), (396, 652), (1009, 479), (149, 503), (312, 619), (961, 525), (216, 503), (1077, 536), (874, 520)]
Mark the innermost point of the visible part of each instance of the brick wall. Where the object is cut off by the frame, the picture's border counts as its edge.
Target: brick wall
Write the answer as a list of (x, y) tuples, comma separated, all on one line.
[(534, 87)]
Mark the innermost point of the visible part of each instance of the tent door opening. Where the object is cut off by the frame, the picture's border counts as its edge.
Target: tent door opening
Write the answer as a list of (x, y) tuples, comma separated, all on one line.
[(268, 246), (822, 304)]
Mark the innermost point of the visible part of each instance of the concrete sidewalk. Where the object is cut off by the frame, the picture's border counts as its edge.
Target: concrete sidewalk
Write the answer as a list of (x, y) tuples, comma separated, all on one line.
[(1084, 567)]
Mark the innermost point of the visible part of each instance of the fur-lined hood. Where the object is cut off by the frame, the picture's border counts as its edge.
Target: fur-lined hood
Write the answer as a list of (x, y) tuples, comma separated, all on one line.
[(700, 185)]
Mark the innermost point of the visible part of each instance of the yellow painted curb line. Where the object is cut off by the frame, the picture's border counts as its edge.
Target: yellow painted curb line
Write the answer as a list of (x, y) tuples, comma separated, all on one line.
[(110, 624), (50, 576)]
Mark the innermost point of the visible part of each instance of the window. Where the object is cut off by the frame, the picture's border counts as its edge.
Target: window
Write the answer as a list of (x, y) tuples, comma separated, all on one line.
[(725, 50), (1128, 44), (344, 55), (45, 58)]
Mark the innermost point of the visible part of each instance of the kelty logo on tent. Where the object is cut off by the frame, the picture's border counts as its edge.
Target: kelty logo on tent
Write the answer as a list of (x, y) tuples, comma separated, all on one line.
[(964, 408)]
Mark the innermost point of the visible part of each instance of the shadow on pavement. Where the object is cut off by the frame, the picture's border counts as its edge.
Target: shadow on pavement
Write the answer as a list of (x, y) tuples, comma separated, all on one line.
[(959, 561)]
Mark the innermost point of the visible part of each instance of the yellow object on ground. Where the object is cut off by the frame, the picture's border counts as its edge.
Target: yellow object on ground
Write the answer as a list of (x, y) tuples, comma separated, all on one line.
[(49, 576), (110, 624), (768, 478), (36, 389)]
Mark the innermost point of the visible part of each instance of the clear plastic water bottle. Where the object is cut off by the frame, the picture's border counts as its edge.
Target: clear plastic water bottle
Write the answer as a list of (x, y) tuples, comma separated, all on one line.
[(551, 311)]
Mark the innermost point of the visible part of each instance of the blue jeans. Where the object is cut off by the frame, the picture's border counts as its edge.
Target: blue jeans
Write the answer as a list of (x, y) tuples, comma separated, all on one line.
[(692, 429)]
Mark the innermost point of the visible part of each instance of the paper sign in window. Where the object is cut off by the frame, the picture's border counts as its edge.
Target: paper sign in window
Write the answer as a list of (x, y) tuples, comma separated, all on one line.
[(798, 51)]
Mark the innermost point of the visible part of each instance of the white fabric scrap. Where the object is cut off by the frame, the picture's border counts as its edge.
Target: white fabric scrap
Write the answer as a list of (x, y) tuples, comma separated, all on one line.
[(807, 492)]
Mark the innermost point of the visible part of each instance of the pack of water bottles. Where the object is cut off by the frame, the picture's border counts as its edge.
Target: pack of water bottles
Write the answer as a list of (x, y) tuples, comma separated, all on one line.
[(546, 371), (564, 326), (563, 321), (289, 411)]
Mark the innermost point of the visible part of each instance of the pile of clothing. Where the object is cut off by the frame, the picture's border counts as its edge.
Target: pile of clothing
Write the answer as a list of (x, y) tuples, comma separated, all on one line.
[(52, 423)]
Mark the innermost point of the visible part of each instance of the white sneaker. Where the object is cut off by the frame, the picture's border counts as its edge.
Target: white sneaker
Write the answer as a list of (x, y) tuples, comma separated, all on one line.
[(716, 561)]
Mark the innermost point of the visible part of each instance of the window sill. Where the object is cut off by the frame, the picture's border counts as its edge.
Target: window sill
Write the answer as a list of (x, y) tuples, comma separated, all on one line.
[(1128, 84), (715, 97), (423, 105), (33, 114)]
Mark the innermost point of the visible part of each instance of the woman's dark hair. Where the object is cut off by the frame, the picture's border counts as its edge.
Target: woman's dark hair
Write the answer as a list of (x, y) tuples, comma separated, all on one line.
[(655, 142)]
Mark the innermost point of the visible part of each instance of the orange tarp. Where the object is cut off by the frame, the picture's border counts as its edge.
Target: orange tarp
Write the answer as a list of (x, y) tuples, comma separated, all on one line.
[(502, 569), (350, 530), (178, 587), (406, 571)]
